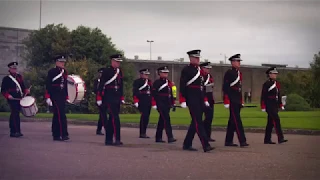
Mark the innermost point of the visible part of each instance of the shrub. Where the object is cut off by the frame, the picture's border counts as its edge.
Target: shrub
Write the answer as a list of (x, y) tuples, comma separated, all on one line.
[(295, 102), (4, 107)]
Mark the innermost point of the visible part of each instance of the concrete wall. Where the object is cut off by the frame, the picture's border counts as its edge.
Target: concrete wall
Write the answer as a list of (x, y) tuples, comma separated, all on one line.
[(253, 76)]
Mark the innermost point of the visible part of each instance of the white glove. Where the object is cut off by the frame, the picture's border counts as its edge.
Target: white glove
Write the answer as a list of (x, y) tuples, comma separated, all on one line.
[(154, 107), (282, 108), (99, 103), (10, 97), (263, 110), (68, 101), (49, 102), (207, 103), (183, 105), (226, 106), (136, 104), (122, 102)]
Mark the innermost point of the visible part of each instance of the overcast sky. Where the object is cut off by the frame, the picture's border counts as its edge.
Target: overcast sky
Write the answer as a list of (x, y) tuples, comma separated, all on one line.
[(286, 32)]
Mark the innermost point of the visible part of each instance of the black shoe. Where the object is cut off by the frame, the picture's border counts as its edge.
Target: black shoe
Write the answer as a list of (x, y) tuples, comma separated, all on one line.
[(208, 148), (171, 140), (16, 135), (244, 144), (212, 140), (144, 136), (269, 142), (230, 144), (57, 139), (20, 134), (160, 141), (99, 133), (190, 148), (108, 143), (118, 143), (65, 138), (282, 141)]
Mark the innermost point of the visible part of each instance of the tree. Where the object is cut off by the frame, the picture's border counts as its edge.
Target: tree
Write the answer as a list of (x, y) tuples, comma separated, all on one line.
[(315, 85), (87, 50)]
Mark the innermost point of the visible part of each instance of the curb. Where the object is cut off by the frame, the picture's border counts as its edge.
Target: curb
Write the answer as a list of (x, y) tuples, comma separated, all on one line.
[(175, 127)]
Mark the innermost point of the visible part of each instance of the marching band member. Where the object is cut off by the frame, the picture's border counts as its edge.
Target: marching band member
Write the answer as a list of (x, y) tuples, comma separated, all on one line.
[(143, 100), (56, 95), (13, 89), (162, 93), (110, 95), (232, 95), (270, 102), (101, 121), (208, 90), (191, 95)]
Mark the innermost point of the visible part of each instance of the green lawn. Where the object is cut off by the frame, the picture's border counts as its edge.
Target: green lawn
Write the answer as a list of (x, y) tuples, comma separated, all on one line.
[(251, 117)]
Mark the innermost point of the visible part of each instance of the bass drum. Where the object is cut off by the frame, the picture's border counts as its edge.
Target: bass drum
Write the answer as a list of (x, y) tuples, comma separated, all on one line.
[(76, 88), (28, 106)]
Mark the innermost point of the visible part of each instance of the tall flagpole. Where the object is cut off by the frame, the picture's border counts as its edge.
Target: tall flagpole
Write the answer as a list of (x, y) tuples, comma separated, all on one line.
[(40, 14)]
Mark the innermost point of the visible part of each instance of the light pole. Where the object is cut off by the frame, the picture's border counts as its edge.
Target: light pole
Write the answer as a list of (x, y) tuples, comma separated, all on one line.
[(40, 14), (151, 41), (225, 58)]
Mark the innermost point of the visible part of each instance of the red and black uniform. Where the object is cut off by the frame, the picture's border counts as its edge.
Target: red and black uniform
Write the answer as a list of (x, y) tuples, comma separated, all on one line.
[(9, 87), (101, 121), (57, 92), (270, 102), (110, 91), (208, 111), (162, 93), (232, 92), (142, 95), (191, 93)]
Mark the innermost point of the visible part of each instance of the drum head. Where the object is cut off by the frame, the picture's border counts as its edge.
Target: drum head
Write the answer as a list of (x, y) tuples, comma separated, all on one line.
[(72, 89), (27, 101)]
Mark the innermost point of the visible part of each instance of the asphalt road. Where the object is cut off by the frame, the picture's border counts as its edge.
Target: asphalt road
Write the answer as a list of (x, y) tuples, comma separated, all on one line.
[(37, 156)]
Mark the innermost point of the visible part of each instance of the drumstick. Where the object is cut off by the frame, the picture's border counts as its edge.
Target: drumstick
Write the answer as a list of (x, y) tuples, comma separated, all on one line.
[(29, 90)]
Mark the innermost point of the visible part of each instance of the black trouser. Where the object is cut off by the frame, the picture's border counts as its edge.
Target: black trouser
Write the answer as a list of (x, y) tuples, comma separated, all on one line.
[(59, 119), (208, 113), (113, 124), (196, 106), (273, 121), (14, 122), (164, 123), (235, 124), (144, 109), (102, 118)]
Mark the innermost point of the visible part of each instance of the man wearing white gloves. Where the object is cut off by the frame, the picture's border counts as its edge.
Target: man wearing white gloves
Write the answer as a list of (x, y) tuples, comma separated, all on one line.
[(143, 100), (110, 95), (232, 96), (162, 93), (57, 95), (270, 102), (192, 95)]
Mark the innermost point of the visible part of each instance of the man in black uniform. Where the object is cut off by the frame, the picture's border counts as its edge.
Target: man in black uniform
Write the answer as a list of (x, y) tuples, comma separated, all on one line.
[(56, 95), (208, 111), (232, 96), (101, 121), (192, 95), (162, 93), (270, 102), (143, 100), (13, 89), (110, 95)]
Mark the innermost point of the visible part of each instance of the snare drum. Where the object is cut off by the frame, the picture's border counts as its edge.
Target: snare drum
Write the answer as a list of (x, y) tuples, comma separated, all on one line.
[(28, 106), (76, 88)]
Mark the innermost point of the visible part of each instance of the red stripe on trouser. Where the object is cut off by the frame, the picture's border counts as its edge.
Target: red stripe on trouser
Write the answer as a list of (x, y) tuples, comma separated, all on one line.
[(114, 127), (164, 120), (14, 119), (235, 121), (197, 128), (59, 118), (274, 124), (101, 117), (142, 127)]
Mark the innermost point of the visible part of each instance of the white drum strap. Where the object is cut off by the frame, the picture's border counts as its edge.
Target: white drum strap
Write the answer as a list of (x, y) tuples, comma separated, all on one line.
[(58, 76), (194, 78), (113, 78), (18, 85), (235, 81), (163, 85), (207, 81), (144, 85), (272, 87)]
